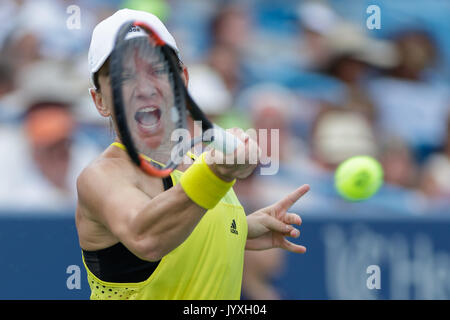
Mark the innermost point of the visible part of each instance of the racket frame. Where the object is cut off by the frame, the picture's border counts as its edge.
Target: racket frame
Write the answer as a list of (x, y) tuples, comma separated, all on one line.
[(226, 139)]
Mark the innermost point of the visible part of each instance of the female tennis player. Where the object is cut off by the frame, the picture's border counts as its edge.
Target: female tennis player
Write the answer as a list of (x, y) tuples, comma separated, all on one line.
[(180, 237)]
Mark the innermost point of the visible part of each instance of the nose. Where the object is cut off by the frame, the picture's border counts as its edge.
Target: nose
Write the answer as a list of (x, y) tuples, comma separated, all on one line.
[(146, 87)]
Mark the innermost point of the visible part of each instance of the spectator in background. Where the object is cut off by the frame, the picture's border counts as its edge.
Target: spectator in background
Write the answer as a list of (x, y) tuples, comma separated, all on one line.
[(418, 54), (349, 126), (49, 127), (270, 107), (353, 58), (230, 27), (347, 61), (226, 62), (23, 49), (230, 30), (8, 10), (411, 105), (45, 152), (435, 178), (316, 21), (399, 165), (339, 134), (209, 91)]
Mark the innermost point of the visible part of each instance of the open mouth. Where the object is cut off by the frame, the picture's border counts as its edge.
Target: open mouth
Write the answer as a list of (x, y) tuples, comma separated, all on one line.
[(148, 117)]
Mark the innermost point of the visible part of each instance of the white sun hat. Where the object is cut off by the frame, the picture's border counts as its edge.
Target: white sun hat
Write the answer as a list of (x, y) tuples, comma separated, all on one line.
[(104, 34)]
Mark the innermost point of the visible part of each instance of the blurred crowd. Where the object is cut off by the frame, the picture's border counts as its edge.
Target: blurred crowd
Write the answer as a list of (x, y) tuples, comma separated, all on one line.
[(333, 88), (311, 72), (320, 83)]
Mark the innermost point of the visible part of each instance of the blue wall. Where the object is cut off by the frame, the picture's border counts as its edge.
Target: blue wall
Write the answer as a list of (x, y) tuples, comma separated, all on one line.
[(413, 255), (35, 255)]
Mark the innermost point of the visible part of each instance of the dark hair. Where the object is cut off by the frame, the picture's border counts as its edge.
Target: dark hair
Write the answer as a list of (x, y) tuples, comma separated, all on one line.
[(104, 71)]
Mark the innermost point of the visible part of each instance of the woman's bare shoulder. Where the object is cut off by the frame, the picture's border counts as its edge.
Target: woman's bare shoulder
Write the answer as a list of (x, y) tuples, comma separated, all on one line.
[(108, 169)]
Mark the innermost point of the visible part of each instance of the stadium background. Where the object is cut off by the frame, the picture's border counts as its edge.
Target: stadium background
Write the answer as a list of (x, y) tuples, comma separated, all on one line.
[(312, 69)]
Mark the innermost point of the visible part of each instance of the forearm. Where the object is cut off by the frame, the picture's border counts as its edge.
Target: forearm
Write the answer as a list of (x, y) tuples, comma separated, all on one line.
[(168, 219), (166, 222)]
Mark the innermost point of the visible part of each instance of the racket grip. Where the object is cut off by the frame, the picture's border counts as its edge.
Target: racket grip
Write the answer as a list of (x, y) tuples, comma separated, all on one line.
[(224, 141)]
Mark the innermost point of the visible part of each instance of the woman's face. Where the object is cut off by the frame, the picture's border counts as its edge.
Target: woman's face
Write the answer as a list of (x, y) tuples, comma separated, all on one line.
[(148, 101)]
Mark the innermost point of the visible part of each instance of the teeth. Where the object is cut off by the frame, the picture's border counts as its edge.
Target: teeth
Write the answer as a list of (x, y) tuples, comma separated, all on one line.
[(148, 118), (148, 109), (150, 126)]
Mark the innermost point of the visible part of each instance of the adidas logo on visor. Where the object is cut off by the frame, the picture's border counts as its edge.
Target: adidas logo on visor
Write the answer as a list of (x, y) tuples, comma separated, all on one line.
[(135, 32)]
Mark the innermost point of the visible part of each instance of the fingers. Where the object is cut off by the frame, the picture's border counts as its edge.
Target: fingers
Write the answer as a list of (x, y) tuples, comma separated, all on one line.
[(276, 225), (287, 202), (240, 149), (292, 247), (245, 156), (292, 218), (295, 233)]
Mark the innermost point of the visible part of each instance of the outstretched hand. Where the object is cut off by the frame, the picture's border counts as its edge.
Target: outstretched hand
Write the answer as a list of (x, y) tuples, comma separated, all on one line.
[(269, 227)]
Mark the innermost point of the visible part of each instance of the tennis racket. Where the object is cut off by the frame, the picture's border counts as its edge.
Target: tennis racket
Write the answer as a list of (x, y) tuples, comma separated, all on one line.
[(151, 102)]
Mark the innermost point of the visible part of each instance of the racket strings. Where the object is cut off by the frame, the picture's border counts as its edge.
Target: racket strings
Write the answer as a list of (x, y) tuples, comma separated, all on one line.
[(154, 94), (149, 100)]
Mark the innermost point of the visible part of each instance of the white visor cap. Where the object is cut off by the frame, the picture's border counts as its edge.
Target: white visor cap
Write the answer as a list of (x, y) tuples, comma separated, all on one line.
[(104, 35)]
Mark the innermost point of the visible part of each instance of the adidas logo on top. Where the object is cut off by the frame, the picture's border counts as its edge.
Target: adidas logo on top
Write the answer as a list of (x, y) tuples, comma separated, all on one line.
[(135, 32), (233, 227)]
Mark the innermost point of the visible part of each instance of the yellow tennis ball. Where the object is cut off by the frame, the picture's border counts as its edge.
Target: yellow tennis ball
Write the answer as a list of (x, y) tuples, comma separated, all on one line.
[(358, 178)]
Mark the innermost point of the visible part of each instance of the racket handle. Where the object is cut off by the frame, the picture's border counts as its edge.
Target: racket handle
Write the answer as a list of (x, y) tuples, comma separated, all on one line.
[(224, 141)]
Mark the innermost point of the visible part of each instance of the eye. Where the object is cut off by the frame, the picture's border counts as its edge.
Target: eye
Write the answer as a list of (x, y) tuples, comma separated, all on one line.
[(158, 70), (126, 76)]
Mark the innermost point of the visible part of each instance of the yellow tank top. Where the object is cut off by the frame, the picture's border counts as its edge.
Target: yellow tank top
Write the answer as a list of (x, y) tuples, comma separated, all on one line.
[(206, 266)]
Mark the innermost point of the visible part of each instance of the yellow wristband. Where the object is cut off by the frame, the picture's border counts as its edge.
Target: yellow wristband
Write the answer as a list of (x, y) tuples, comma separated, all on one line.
[(202, 186)]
